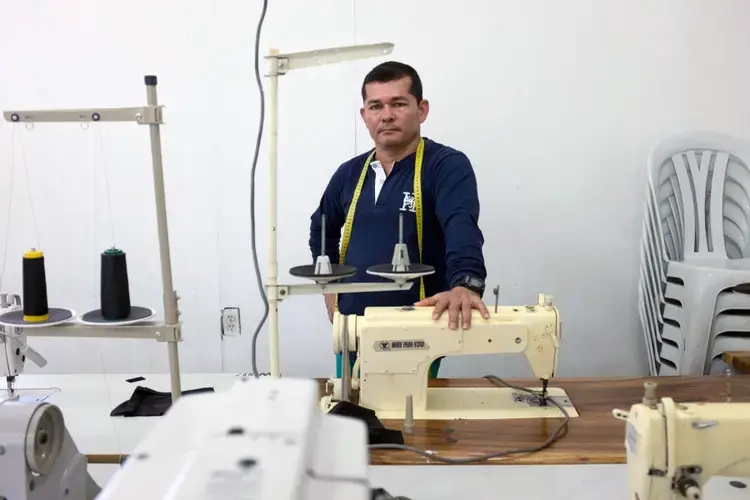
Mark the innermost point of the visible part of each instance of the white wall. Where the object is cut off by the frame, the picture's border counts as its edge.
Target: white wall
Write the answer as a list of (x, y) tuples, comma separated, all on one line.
[(556, 103)]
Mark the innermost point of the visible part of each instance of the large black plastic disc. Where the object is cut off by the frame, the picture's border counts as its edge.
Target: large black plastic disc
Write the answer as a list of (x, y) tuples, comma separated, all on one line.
[(338, 271), (136, 315), (57, 315)]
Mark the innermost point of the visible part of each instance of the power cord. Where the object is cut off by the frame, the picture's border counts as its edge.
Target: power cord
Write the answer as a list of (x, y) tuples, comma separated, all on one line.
[(258, 140), (561, 430)]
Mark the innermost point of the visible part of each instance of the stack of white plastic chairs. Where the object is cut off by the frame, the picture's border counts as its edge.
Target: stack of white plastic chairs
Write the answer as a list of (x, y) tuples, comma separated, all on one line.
[(694, 288)]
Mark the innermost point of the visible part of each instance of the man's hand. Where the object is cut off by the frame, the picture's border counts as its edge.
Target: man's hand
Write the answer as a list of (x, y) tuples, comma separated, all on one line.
[(330, 301), (458, 299)]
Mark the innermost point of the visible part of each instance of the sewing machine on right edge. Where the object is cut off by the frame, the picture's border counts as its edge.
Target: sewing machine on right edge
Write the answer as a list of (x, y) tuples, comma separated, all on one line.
[(396, 346), (695, 451)]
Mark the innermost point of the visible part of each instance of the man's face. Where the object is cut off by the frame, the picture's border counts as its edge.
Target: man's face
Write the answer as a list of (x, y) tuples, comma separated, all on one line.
[(392, 115)]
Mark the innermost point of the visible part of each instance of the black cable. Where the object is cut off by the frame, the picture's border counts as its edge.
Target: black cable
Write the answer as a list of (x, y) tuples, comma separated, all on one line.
[(258, 140), (561, 430)]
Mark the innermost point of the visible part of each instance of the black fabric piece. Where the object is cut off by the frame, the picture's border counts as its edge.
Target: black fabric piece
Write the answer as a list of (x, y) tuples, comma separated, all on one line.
[(147, 402), (376, 431)]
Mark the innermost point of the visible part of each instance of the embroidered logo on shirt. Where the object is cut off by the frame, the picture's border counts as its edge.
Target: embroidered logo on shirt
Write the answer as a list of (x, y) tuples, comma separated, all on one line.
[(408, 202)]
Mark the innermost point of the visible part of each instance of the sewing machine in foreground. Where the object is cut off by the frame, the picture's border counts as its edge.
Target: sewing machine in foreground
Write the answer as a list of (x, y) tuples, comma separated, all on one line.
[(395, 347), (687, 450), (38, 458), (266, 438), (262, 439)]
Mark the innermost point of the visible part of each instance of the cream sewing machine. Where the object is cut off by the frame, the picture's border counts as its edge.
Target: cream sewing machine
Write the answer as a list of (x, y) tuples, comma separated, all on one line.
[(395, 347), (687, 450)]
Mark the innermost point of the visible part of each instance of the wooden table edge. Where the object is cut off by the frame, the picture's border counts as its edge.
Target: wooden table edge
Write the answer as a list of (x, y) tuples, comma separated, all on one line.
[(407, 458), (119, 459)]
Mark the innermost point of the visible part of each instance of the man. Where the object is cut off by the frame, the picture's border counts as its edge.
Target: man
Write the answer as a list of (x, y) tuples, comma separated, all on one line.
[(393, 111)]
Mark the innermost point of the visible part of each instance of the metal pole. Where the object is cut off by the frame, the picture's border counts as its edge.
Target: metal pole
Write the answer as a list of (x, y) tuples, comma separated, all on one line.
[(322, 235), (168, 293), (273, 265), (346, 376)]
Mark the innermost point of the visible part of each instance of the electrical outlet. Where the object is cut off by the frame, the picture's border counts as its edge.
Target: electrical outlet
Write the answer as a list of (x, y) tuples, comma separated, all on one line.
[(230, 322)]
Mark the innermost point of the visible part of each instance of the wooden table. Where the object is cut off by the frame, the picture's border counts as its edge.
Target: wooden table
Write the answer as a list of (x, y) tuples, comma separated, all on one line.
[(595, 437)]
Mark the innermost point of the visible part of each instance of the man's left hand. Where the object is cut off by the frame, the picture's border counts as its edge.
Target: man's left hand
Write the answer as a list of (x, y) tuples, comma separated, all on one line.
[(458, 299)]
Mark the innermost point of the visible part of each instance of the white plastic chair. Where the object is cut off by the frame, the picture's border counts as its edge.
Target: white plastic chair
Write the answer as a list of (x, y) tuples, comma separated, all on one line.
[(730, 330), (695, 240), (660, 300)]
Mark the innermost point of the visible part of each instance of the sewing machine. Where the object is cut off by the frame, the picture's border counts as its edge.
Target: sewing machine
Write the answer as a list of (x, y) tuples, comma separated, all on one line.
[(267, 439), (395, 347), (263, 439), (260, 439), (14, 348), (38, 458), (687, 450)]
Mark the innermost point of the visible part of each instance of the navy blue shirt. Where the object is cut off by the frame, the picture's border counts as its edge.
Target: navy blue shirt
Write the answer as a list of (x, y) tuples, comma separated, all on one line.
[(451, 239)]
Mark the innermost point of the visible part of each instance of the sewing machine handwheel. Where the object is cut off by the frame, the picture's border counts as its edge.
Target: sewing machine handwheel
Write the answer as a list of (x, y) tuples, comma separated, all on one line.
[(44, 438), (338, 271), (413, 271)]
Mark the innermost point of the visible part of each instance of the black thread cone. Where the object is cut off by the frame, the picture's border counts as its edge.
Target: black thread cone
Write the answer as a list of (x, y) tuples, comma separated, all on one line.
[(35, 306), (114, 288)]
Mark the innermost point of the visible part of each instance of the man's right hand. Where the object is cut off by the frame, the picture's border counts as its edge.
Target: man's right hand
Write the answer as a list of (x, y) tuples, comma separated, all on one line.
[(330, 301)]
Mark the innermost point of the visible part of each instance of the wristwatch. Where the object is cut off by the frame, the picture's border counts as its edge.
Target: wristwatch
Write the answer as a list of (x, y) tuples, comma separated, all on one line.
[(473, 283)]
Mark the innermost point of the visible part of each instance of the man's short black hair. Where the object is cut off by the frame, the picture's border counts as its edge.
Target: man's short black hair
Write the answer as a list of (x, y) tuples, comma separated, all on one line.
[(391, 71)]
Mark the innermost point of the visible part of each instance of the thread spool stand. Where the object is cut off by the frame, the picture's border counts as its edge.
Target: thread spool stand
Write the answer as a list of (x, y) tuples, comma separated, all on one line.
[(323, 273), (169, 330), (114, 295), (401, 269)]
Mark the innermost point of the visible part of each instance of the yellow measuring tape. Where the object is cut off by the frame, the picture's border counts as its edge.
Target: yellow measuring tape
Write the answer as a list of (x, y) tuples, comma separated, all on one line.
[(417, 207)]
